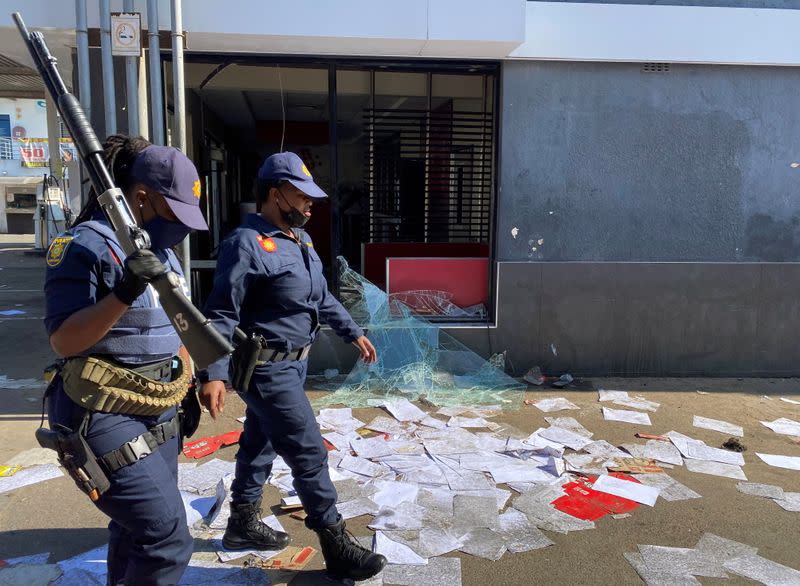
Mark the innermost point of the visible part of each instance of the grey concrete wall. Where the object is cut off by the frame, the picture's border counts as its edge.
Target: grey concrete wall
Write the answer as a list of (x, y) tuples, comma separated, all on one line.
[(720, 319), (602, 162), (725, 3)]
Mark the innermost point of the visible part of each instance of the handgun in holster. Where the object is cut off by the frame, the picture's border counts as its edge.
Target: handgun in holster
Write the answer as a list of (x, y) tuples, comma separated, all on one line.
[(75, 455), (245, 359)]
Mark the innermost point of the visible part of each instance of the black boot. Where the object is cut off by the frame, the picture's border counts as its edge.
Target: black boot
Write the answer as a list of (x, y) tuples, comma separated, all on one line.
[(344, 557), (246, 530)]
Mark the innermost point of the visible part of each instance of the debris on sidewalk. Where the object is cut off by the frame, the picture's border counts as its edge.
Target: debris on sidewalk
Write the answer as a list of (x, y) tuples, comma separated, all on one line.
[(415, 357), (605, 395), (788, 462), (637, 403), (630, 489), (554, 404), (626, 416), (28, 476), (712, 557), (563, 381), (734, 445), (534, 376), (208, 445), (763, 490), (6, 471), (783, 426), (717, 425)]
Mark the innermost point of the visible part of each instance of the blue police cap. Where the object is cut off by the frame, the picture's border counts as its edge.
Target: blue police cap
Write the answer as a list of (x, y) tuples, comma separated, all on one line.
[(169, 172), (289, 167)]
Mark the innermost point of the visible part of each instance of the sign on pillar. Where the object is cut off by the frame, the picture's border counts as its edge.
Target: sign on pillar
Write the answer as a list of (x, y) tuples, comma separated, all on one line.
[(126, 34)]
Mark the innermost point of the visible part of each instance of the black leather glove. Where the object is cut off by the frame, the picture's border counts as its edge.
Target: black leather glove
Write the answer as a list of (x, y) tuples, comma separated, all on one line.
[(141, 267)]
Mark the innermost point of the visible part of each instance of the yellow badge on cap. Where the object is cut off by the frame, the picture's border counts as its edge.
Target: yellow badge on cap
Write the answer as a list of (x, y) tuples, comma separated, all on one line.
[(306, 172), (196, 189), (58, 247)]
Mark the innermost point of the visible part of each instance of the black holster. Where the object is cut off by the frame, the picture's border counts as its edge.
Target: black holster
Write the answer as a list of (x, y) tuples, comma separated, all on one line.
[(75, 455), (244, 361), (189, 412)]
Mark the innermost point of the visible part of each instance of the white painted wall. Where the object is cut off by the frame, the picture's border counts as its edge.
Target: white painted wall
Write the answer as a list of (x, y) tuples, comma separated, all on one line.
[(474, 29), (431, 28), (677, 34)]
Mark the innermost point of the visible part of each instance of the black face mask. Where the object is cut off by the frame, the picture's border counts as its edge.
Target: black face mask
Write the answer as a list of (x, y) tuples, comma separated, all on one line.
[(294, 217)]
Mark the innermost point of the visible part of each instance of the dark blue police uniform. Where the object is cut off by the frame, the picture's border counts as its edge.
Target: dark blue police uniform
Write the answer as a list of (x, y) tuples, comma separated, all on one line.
[(150, 541), (272, 285)]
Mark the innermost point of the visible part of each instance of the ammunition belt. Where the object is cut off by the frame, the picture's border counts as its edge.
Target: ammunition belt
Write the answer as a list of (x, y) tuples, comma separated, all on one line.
[(98, 385)]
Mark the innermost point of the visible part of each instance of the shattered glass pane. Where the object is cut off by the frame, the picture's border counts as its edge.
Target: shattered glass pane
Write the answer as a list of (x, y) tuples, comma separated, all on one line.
[(416, 359)]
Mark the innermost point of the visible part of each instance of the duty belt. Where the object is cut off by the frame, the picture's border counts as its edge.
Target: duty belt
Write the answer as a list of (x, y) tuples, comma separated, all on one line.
[(157, 371), (273, 355), (141, 446)]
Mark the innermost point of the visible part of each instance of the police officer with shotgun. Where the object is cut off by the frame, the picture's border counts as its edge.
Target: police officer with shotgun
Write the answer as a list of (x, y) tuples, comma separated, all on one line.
[(116, 314), (269, 282)]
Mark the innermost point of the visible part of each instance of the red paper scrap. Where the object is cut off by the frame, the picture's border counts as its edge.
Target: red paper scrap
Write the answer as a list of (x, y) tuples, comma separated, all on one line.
[(583, 502), (208, 445)]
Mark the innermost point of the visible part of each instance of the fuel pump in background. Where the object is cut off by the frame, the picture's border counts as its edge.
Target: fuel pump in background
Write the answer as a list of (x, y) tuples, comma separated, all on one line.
[(52, 215)]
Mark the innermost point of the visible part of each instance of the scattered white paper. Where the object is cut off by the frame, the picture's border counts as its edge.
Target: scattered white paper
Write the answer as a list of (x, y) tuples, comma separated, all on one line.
[(788, 400), (291, 501), (357, 507), (393, 493), (433, 422), (626, 416), (790, 502), (205, 477), (656, 450), (565, 437), (715, 469), (404, 410), (467, 422), (406, 516), (341, 441), (197, 507), (700, 451), (641, 493), (340, 420), (783, 426), (569, 423), (28, 476), (717, 425), (612, 395), (360, 466), (788, 462), (396, 553), (554, 404), (762, 490), (671, 489), (763, 570), (637, 403), (372, 447)]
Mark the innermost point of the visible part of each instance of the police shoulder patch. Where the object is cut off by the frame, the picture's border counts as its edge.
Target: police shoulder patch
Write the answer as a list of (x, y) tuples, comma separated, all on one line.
[(57, 250), (267, 244)]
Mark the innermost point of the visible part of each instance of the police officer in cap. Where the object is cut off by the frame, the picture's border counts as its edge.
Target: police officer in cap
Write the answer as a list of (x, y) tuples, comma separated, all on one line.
[(107, 324), (269, 282)]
